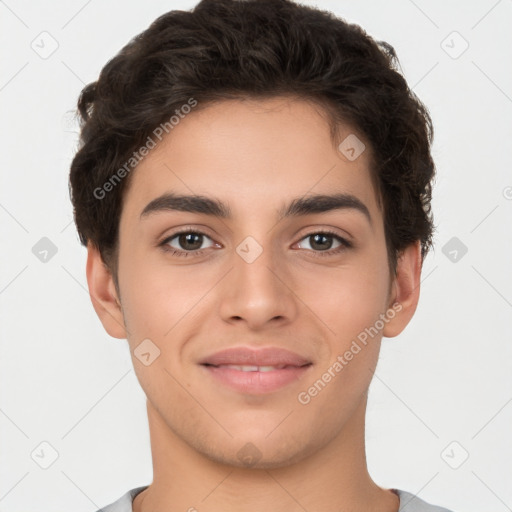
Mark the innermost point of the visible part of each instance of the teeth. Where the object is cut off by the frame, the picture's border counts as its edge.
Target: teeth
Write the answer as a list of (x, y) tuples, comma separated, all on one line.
[(246, 368), (267, 368)]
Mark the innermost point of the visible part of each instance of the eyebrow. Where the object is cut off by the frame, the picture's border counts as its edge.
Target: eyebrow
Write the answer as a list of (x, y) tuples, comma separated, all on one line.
[(307, 205)]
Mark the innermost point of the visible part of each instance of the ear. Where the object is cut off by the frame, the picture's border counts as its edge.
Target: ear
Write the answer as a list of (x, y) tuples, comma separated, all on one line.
[(103, 294), (405, 290)]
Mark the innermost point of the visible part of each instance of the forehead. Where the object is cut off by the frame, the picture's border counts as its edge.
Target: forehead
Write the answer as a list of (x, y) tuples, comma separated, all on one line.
[(253, 153)]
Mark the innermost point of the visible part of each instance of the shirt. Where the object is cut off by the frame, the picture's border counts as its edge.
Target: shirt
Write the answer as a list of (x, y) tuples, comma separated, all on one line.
[(408, 502)]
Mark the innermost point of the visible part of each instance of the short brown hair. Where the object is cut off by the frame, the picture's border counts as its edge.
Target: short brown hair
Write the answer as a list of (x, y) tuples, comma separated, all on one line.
[(226, 49)]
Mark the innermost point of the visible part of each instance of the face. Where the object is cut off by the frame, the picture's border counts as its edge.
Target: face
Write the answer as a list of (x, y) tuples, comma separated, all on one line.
[(248, 303)]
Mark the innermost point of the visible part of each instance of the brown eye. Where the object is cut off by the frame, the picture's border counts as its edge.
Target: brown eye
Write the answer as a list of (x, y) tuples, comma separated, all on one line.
[(190, 241), (185, 242), (322, 242)]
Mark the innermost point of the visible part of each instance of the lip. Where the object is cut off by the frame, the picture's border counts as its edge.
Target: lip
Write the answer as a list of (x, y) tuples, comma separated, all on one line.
[(266, 356), (289, 367)]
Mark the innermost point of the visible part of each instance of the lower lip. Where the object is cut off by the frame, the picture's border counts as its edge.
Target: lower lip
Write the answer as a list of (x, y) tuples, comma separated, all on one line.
[(256, 382)]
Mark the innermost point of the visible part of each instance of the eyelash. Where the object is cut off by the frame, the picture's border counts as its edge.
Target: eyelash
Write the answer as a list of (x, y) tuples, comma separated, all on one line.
[(345, 244)]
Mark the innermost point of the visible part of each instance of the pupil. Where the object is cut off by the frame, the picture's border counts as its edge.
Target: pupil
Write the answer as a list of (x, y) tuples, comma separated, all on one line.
[(320, 246), (188, 238)]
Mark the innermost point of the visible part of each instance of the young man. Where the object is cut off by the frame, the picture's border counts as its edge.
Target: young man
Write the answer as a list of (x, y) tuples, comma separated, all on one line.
[(253, 186)]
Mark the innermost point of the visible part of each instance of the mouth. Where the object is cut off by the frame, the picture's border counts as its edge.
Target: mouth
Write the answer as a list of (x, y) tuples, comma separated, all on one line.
[(248, 368), (250, 371)]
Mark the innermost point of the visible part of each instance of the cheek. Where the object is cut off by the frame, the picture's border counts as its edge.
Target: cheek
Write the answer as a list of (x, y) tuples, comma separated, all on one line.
[(153, 293), (348, 302), (348, 299), (161, 302), (158, 303)]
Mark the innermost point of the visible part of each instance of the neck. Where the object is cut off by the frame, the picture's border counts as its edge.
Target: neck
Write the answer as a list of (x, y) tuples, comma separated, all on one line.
[(333, 478)]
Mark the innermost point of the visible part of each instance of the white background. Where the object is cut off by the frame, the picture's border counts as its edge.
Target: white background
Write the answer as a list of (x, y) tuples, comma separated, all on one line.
[(447, 378)]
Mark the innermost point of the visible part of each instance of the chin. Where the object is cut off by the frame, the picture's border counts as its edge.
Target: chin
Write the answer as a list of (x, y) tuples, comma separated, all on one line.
[(260, 452)]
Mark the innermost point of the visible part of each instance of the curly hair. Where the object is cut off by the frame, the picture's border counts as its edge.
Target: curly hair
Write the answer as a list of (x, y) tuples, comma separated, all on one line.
[(232, 49)]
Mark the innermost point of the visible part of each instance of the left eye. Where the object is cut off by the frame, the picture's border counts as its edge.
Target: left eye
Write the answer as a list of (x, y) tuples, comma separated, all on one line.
[(324, 241)]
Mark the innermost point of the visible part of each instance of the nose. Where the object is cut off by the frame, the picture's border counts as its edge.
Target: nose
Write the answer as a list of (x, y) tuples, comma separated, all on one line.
[(258, 290)]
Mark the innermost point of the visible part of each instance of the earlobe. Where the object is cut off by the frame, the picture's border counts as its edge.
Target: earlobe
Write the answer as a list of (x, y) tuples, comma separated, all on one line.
[(103, 294), (406, 290)]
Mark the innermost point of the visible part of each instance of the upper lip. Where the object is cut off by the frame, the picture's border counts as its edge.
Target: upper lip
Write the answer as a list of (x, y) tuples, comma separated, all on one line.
[(267, 356)]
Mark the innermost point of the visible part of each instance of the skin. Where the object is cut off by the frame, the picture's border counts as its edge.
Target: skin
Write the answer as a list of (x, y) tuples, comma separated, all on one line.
[(255, 156)]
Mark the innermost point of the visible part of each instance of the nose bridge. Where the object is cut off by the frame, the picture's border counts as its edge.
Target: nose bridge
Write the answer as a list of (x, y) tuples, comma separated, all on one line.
[(256, 290)]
